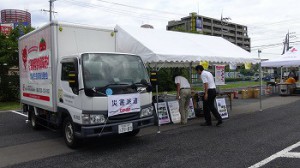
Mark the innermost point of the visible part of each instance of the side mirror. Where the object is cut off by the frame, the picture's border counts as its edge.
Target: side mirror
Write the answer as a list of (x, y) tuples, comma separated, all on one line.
[(89, 92), (149, 86), (73, 79)]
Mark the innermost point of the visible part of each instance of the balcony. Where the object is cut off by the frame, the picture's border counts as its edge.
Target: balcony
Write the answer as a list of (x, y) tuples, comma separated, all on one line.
[(207, 23)]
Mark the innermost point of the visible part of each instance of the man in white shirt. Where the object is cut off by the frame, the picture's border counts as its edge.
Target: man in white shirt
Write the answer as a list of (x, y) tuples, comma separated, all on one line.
[(184, 96), (210, 94)]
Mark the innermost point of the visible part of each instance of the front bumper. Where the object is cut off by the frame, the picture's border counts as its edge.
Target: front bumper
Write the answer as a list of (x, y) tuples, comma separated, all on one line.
[(85, 131)]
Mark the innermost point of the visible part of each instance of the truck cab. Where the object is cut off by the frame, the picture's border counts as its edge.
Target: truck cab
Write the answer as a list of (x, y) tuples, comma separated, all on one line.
[(104, 93)]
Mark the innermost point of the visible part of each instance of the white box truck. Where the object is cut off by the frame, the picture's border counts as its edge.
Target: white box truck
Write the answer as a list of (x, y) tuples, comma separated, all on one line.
[(72, 78)]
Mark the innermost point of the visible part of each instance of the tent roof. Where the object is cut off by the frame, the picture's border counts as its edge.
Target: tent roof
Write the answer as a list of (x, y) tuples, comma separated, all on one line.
[(289, 59), (174, 49)]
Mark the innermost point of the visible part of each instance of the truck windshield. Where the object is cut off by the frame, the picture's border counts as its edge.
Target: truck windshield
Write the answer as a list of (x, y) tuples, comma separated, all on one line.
[(100, 70)]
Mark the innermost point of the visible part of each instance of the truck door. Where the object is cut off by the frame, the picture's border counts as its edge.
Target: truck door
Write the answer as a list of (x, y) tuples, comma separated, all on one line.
[(68, 89)]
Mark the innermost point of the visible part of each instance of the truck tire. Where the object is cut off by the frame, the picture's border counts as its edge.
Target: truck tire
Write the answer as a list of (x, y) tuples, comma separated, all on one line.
[(69, 136), (33, 121)]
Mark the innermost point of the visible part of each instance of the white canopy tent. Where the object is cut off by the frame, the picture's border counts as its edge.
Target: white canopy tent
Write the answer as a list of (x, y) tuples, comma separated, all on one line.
[(177, 49), (290, 59), (161, 48)]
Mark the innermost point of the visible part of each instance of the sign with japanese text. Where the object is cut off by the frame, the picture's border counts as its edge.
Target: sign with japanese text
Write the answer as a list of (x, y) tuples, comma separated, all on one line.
[(162, 113), (35, 68), (174, 111), (6, 28), (221, 106), (191, 110), (198, 24), (125, 103), (220, 74)]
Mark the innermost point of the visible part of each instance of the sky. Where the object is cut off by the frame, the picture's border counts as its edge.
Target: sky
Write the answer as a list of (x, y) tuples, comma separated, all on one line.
[(268, 21)]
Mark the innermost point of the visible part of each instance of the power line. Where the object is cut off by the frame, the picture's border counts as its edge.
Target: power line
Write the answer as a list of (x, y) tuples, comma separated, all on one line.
[(140, 8), (117, 11)]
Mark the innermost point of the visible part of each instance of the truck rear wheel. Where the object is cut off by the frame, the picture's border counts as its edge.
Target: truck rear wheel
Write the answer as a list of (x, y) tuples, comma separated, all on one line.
[(33, 121), (69, 135)]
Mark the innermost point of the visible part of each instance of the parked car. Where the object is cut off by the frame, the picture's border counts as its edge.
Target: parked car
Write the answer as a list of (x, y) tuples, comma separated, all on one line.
[(270, 77), (255, 77), (244, 77)]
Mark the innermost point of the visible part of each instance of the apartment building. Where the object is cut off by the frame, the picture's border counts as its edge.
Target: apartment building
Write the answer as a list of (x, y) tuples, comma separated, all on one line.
[(233, 32)]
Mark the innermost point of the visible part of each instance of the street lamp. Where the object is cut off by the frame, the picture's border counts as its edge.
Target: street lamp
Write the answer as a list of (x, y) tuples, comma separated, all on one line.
[(260, 77)]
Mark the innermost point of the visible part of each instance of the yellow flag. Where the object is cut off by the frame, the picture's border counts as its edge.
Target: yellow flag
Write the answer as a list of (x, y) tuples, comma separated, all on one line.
[(205, 64), (247, 65)]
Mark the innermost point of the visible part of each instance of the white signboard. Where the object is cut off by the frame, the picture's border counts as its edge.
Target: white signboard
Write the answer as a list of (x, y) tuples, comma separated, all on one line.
[(221, 106), (220, 74), (174, 111), (162, 112), (36, 69), (191, 109), (121, 104)]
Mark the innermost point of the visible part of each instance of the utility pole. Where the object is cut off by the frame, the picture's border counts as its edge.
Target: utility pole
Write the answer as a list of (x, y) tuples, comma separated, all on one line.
[(286, 42), (50, 9), (51, 5), (224, 22)]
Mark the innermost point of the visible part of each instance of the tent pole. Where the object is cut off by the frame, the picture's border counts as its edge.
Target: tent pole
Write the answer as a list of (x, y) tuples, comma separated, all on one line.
[(158, 125), (260, 77), (191, 80), (281, 81)]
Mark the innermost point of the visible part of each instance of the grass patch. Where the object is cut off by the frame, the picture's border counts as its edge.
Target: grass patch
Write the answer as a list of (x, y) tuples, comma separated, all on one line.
[(228, 86), (241, 84), (9, 106)]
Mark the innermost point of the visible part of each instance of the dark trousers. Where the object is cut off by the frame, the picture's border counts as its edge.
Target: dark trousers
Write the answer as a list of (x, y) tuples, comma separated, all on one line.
[(209, 106)]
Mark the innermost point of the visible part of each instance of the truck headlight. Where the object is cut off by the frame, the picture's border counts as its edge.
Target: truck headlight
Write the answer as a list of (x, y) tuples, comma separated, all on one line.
[(96, 118), (147, 111), (85, 118), (93, 119)]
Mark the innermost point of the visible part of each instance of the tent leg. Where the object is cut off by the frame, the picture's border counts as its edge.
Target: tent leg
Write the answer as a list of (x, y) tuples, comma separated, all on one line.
[(281, 75), (260, 77), (158, 125), (191, 69)]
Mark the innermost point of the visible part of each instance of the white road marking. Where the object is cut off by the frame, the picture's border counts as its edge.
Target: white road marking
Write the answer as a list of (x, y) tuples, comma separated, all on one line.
[(18, 113), (284, 153), (292, 155)]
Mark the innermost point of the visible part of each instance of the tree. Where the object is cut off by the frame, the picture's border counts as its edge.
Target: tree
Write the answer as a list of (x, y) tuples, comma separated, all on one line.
[(9, 83)]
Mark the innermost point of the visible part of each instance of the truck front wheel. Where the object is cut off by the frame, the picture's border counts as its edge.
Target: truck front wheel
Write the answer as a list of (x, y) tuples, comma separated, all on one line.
[(69, 136)]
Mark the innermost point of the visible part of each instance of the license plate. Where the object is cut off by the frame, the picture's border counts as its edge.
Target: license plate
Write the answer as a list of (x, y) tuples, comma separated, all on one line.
[(125, 128)]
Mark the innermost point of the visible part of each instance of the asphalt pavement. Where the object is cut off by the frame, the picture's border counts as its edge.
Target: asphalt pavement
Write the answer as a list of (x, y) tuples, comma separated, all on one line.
[(247, 137), (239, 106), (242, 141)]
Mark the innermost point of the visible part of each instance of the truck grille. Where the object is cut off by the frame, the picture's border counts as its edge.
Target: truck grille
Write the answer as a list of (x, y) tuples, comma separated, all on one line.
[(124, 117)]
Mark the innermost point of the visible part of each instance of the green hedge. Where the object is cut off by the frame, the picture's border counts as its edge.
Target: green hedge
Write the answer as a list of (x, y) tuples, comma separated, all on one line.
[(235, 79), (9, 88)]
